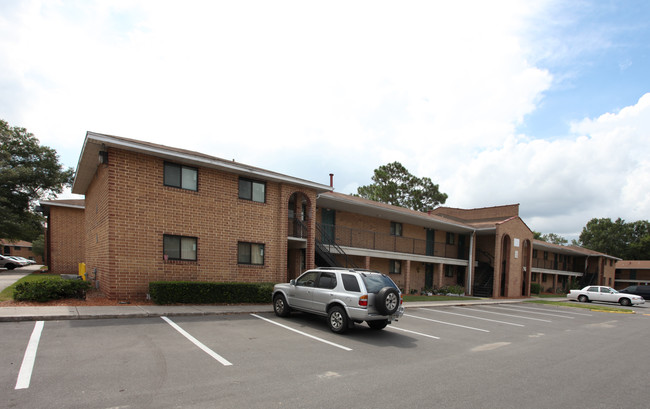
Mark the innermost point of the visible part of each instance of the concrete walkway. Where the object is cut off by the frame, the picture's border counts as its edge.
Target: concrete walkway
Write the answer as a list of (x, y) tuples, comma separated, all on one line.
[(8, 277), (13, 313), (143, 311)]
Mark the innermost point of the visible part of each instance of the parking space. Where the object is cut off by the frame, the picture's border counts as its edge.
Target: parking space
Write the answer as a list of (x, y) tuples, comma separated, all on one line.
[(260, 360)]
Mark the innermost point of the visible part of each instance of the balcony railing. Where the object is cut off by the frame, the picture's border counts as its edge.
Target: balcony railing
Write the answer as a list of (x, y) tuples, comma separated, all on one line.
[(366, 239), (553, 265), (297, 229)]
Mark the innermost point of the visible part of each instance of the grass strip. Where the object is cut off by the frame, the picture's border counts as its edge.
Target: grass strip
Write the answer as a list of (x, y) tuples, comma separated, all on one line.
[(586, 306)]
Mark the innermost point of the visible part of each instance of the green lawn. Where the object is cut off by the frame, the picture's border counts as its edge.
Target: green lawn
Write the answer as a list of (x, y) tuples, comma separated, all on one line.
[(8, 293)]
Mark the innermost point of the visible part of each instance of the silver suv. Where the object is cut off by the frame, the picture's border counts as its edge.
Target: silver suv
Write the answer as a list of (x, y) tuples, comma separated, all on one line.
[(345, 296)]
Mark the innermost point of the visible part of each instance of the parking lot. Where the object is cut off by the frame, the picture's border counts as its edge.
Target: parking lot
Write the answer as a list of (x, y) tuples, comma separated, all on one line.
[(506, 356)]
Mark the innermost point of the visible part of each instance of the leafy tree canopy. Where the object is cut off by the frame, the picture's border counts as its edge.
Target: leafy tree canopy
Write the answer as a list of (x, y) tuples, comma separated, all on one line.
[(28, 172), (629, 241), (395, 185), (551, 238)]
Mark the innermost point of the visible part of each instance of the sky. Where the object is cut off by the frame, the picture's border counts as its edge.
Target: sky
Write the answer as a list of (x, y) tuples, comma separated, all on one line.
[(543, 103)]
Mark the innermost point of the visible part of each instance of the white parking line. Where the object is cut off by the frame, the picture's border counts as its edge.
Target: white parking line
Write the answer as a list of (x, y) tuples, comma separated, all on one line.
[(413, 332), (471, 316), (507, 315), (302, 333), (446, 323), (529, 312), (196, 342), (558, 311), (26, 368)]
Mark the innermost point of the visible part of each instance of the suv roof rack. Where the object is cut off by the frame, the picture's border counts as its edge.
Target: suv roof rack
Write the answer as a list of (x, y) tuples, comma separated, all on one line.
[(359, 270)]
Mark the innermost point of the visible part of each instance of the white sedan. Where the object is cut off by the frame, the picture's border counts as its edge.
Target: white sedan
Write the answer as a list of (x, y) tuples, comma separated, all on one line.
[(606, 294)]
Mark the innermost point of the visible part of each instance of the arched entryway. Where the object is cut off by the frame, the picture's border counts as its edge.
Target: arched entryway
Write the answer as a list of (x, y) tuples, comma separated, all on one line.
[(298, 234)]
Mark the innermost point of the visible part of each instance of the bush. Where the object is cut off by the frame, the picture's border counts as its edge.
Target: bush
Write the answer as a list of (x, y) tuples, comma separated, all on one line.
[(450, 289), (535, 288), (193, 292), (53, 289)]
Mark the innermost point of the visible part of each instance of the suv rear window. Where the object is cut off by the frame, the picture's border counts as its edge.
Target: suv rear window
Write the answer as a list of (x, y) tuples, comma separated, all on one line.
[(350, 283), (375, 282)]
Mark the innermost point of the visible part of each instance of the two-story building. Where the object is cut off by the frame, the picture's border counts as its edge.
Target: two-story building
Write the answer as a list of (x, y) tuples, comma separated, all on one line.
[(153, 212)]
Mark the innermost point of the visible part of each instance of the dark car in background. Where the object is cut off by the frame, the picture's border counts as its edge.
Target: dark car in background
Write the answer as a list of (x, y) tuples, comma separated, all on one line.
[(642, 290)]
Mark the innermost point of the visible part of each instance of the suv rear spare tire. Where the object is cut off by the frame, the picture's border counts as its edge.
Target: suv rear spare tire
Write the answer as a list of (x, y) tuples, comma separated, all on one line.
[(387, 301)]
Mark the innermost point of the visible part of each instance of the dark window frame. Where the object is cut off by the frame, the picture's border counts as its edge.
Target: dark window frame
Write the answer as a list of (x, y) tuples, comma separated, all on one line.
[(180, 248), (252, 182), (180, 167), (449, 270), (395, 266), (396, 229), (250, 253), (451, 238)]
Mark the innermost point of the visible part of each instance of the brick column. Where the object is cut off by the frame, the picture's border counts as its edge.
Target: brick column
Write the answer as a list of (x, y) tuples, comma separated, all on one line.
[(408, 277)]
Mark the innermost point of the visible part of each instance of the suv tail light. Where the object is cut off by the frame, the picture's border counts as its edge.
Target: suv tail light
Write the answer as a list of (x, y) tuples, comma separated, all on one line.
[(363, 301), (401, 299)]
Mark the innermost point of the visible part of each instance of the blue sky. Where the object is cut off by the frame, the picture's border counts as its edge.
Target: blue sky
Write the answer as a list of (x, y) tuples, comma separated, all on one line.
[(544, 103)]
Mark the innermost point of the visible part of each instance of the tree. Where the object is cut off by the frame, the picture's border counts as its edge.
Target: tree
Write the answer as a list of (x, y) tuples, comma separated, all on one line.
[(550, 238), (629, 241), (38, 245), (28, 172), (605, 236), (395, 185)]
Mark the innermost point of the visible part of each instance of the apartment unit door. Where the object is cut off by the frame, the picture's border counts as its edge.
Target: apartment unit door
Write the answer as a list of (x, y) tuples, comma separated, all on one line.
[(428, 276), (328, 222)]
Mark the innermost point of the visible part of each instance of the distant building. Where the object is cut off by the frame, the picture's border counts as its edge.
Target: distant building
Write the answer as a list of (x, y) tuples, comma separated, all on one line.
[(19, 248), (632, 272)]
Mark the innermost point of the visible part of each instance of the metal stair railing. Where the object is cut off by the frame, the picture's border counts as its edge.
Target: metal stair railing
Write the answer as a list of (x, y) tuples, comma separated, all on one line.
[(331, 243)]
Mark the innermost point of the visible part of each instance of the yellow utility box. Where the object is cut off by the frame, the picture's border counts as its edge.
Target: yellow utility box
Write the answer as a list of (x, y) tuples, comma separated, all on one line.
[(82, 270)]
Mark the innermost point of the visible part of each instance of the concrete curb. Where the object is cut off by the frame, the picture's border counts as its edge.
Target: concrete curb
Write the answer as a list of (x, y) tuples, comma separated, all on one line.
[(14, 314)]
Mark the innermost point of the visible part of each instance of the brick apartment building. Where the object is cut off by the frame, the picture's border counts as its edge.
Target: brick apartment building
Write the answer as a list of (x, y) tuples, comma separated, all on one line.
[(632, 272), (153, 212), (19, 248)]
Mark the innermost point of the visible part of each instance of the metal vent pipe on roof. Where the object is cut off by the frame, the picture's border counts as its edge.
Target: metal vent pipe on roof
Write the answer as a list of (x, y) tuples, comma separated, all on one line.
[(331, 180)]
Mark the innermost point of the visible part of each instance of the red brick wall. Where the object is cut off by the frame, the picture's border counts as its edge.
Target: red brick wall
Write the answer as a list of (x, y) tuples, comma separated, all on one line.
[(514, 229), (66, 235), (96, 230), (135, 210)]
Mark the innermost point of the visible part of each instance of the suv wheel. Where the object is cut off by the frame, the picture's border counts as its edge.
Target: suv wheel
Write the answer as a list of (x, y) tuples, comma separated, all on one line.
[(280, 306), (379, 324), (9, 266), (337, 319), (387, 301)]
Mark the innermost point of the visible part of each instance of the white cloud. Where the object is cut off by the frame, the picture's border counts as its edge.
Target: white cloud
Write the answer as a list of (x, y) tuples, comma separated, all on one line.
[(343, 87), (601, 170)]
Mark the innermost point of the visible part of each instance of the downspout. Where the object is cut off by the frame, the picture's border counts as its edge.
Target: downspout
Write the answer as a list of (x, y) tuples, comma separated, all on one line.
[(470, 265)]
